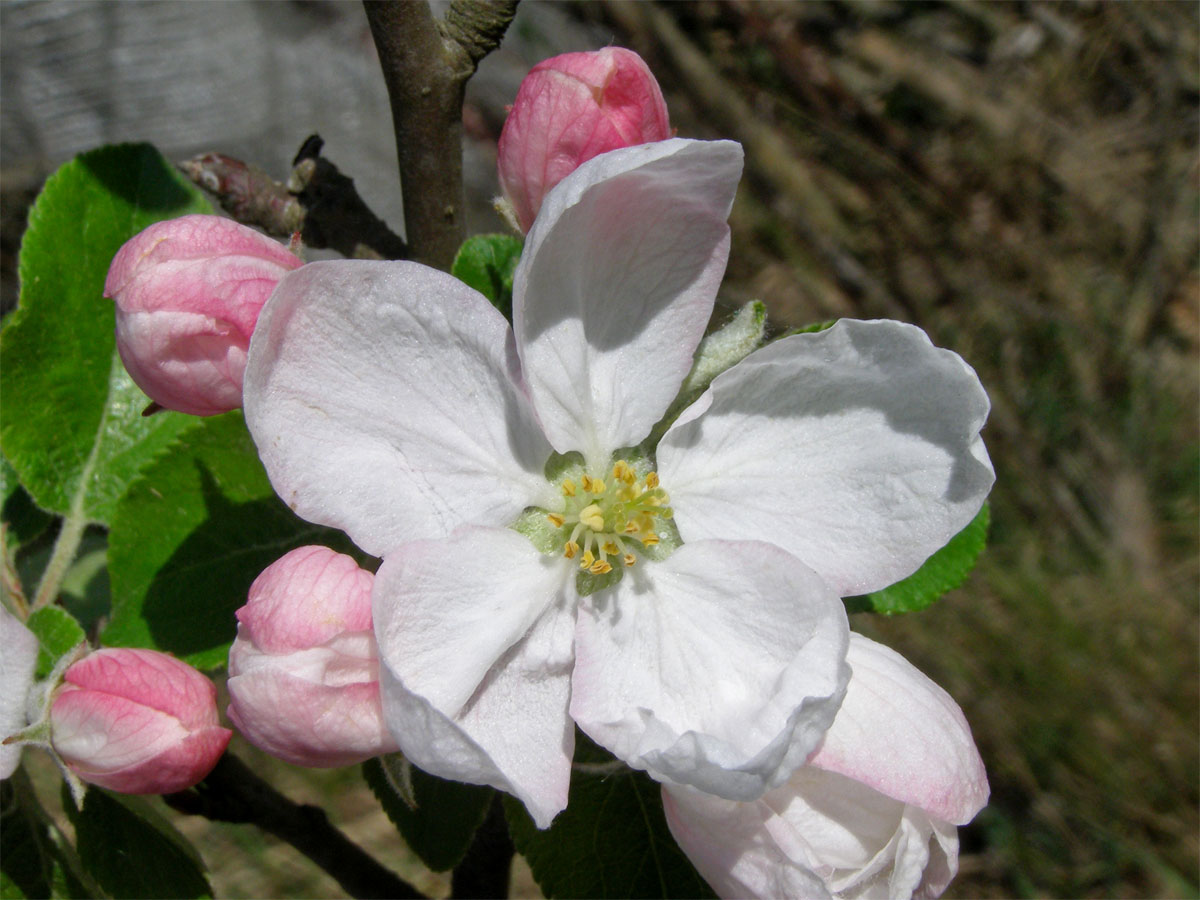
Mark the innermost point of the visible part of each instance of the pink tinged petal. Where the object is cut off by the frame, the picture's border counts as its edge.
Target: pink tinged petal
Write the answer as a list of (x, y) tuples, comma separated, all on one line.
[(18, 658), (188, 294), (184, 361), (385, 400), (151, 679), (317, 708), (930, 761), (852, 840), (475, 634), (719, 667), (305, 598), (856, 448), (569, 109), (616, 285)]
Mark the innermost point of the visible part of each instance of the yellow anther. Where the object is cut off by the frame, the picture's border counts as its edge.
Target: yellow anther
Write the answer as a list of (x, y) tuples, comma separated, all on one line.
[(599, 567), (631, 527), (570, 549), (622, 472), (587, 560), (627, 494), (651, 481), (649, 540), (593, 517), (610, 547), (656, 500), (555, 519), (568, 488), (629, 559)]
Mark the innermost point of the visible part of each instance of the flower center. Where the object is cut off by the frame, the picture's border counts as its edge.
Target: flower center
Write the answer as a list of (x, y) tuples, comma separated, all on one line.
[(610, 519)]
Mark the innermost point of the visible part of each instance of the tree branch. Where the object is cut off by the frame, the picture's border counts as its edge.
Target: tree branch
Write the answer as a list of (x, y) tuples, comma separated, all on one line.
[(233, 793), (426, 65), (318, 201)]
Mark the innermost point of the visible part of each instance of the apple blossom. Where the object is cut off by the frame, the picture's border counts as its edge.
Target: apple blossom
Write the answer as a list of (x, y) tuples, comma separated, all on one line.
[(569, 109), (304, 668), (873, 814), (538, 573), (188, 292), (137, 722), (18, 658)]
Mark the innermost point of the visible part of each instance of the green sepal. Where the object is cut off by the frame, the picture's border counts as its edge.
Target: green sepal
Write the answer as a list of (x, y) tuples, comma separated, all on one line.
[(944, 571), (487, 262), (721, 350)]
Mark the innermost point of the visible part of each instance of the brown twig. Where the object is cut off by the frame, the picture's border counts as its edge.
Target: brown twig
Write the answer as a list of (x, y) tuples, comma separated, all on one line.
[(233, 793), (426, 65), (318, 201)]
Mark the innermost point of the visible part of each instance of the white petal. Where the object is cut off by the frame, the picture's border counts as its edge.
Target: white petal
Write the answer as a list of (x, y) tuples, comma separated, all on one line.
[(17, 661), (729, 844), (852, 841), (716, 667), (616, 285), (385, 400), (931, 761), (475, 638), (857, 449)]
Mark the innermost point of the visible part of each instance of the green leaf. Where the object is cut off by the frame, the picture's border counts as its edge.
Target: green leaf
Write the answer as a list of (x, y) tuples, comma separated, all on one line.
[(188, 539), (611, 840), (487, 262), (132, 851), (71, 422), (22, 519), (942, 572), (33, 863), (446, 815), (57, 633)]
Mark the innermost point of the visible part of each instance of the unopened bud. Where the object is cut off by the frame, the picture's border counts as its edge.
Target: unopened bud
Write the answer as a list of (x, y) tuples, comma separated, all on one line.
[(569, 109), (188, 294), (304, 669), (137, 722)]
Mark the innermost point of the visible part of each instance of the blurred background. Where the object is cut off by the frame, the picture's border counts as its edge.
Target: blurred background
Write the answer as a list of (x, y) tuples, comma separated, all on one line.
[(1019, 179)]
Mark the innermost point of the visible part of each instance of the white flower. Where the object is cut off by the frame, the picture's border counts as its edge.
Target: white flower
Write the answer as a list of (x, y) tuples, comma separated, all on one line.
[(873, 814), (18, 659), (391, 401)]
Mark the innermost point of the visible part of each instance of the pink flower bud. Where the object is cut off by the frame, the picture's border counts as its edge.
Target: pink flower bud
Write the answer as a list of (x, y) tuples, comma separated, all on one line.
[(304, 669), (137, 722), (188, 293), (570, 108)]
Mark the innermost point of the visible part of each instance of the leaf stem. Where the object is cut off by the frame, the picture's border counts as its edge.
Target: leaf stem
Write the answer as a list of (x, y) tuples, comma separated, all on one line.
[(66, 546)]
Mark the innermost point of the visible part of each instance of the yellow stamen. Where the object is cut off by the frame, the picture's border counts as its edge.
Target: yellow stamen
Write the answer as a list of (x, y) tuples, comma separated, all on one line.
[(610, 547), (568, 488), (629, 559), (599, 567), (570, 549), (622, 472), (587, 560), (649, 540), (651, 481), (556, 520)]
